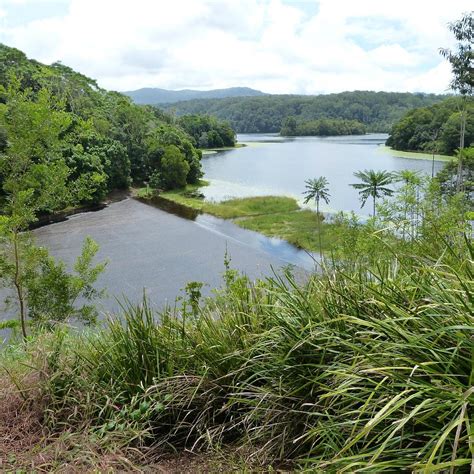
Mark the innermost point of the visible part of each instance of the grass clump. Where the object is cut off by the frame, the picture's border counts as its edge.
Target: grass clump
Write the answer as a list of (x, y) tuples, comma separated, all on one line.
[(358, 370), (273, 216), (252, 206), (298, 228)]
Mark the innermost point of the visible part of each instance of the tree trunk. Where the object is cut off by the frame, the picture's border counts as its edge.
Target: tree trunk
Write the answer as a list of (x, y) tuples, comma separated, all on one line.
[(19, 287), (319, 228), (459, 182), (374, 205)]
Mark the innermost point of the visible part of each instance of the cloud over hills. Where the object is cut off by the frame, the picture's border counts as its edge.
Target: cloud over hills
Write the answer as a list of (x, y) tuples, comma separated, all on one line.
[(271, 45)]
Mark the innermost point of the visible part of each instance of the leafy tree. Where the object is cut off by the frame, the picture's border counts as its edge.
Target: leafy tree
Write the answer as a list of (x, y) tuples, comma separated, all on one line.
[(207, 132), (174, 168), (374, 183), (461, 60), (447, 177), (44, 291), (433, 129), (408, 197), (289, 127), (317, 189), (53, 292)]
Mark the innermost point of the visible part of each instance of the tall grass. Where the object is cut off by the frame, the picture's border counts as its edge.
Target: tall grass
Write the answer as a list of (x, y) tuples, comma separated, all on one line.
[(355, 371)]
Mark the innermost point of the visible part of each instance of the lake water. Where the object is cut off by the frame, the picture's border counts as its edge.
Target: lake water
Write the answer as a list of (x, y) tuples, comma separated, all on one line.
[(274, 165), (148, 248)]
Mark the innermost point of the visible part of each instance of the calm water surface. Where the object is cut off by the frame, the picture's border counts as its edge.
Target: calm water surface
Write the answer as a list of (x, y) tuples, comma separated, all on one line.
[(274, 165), (148, 248)]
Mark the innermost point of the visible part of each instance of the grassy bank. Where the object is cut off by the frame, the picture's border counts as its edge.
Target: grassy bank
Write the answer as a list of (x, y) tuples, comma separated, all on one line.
[(356, 371), (414, 155), (273, 216), (211, 151)]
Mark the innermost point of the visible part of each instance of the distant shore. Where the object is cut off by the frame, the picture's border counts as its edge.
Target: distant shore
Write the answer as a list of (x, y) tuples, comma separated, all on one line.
[(414, 155)]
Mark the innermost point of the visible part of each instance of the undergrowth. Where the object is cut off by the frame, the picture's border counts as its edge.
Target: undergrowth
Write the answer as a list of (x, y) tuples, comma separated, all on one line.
[(354, 371)]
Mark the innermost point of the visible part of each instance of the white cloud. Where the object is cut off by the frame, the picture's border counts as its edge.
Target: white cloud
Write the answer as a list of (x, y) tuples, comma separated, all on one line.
[(266, 44)]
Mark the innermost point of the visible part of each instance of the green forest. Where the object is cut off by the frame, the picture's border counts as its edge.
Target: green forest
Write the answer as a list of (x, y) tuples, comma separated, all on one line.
[(321, 127), (433, 129), (61, 132), (70, 142), (377, 111), (207, 131)]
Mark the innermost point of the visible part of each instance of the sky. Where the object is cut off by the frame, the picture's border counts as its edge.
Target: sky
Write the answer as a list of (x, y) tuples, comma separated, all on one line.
[(277, 46)]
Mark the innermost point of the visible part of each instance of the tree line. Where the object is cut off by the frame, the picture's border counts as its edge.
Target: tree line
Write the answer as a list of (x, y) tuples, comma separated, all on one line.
[(207, 132), (377, 111), (59, 129), (434, 129), (322, 127)]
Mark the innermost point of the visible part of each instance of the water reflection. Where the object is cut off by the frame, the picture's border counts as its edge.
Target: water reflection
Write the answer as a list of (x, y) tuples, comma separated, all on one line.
[(274, 247)]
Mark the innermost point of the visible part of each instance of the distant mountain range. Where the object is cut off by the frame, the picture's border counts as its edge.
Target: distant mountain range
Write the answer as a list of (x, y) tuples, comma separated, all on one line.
[(153, 96)]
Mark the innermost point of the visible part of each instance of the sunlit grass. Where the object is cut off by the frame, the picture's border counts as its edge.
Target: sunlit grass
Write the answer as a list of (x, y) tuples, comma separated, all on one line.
[(299, 228), (273, 216)]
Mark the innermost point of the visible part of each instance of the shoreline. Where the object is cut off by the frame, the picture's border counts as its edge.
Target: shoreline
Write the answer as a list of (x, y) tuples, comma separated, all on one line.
[(414, 155), (271, 216), (62, 216)]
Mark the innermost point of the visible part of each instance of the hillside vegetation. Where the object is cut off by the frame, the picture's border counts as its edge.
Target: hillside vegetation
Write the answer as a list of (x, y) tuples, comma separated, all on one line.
[(66, 141), (377, 111), (434, 128)]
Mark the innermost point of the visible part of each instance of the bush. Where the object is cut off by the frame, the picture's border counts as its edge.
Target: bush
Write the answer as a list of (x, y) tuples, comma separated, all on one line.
[(352, 371), (174, 168)]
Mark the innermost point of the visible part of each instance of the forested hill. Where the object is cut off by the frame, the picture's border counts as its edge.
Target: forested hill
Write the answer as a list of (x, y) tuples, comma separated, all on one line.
[(155, 96), (433, 129), (378, 111), (64, 141)]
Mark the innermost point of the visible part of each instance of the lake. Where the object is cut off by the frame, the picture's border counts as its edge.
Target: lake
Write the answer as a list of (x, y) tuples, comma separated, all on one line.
[(271, 164), (154, 250)]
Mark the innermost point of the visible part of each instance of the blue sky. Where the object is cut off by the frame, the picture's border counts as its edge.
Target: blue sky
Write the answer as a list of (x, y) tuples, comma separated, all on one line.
[(278, 46)]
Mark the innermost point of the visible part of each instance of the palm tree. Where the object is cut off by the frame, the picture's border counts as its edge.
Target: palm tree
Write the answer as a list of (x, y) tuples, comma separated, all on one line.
[(407, 177), (373, 184), (317, 189)]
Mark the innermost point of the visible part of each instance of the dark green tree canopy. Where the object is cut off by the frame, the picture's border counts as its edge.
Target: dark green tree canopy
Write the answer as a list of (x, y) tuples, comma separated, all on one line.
[(433, 129), (207, 131), (58, 126), (377, 111)]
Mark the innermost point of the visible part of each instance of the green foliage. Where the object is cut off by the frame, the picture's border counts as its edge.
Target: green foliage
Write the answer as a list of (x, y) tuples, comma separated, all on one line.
[(207, 131), (374, 184), (461, 59), (321, 127), (448, 176), (167, 135), (359, 369), (53, 292), (45, 293), (59, 130), (377, 111), (174, 168), (317, 189), (433, 129)]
